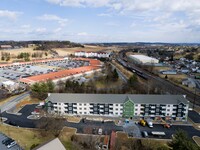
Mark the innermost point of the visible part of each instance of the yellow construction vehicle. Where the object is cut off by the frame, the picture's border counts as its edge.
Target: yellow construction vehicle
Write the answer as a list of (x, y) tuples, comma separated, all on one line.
[(143, 122)]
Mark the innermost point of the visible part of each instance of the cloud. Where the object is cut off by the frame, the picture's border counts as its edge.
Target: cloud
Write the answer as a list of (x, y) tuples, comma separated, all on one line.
[(104, 15), (112, 24), (80, 3), (10, 14), (40, 30), (82, 34), (57, 30), (49, 17)]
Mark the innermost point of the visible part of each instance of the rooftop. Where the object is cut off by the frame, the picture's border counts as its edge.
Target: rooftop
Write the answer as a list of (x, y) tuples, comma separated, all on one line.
[(116, 98)]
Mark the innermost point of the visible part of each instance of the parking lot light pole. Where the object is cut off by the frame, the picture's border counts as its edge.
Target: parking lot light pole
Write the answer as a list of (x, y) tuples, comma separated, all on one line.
[(194, 98)]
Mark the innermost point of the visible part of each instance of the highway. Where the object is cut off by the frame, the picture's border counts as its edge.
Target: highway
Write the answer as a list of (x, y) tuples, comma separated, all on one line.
[(166, 86), (10, 104)]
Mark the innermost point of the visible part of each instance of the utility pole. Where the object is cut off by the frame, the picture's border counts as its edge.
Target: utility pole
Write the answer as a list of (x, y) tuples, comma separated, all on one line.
[(194, 97)]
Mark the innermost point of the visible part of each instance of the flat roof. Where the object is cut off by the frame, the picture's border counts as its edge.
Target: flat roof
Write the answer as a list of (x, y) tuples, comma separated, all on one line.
[(116, 98), (143, 57), (54, 144), (94, 64)]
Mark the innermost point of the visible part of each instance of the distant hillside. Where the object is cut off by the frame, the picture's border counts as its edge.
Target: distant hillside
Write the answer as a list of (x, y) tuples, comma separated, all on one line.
[(42, 45)]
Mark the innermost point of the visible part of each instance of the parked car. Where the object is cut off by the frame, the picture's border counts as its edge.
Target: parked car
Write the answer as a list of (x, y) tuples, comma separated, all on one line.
[(145, 134), (13, 143)]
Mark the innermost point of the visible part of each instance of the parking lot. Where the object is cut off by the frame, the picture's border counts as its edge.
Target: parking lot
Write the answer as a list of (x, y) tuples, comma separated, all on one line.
[(11, 74), (91, 127), (7, 143)]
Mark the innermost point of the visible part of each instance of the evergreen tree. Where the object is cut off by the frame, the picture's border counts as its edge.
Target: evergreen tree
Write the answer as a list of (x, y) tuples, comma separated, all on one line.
[(181, 141)]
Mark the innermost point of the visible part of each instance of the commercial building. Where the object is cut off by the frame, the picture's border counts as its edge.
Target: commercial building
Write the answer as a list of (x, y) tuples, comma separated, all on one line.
[(92, 54), (142, 59), (119, 105)]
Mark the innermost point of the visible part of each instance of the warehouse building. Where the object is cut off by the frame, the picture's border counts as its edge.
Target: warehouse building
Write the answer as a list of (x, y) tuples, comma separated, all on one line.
[(119, 105), (142, 59)]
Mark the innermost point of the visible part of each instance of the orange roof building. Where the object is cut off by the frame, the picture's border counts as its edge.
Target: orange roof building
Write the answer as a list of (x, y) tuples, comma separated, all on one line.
[(63, 74)]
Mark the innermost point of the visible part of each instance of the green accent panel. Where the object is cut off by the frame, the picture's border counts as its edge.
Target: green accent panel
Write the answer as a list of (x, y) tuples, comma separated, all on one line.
[(128, 110)]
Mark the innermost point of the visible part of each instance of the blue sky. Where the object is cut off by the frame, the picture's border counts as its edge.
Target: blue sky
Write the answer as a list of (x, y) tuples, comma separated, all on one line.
[(101, 20)]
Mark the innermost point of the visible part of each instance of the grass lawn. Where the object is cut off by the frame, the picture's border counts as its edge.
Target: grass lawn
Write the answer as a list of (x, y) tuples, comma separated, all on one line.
[(197, 140), (25, 137), (27, 101), (3, 101), (152, 143), (65, 137)]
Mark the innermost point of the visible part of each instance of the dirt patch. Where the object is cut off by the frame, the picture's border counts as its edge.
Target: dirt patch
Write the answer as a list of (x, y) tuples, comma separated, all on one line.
[(73, 119)]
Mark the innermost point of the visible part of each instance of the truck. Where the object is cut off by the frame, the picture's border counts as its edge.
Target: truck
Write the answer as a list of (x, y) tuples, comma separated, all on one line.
[(149, 123), (143, 122)]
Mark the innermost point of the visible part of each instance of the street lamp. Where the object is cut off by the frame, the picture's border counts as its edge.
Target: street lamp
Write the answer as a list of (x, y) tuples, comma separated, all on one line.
[(194, 97)]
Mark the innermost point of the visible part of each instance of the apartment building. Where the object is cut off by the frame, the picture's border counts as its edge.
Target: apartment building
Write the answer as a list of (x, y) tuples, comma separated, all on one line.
[(119, 105)]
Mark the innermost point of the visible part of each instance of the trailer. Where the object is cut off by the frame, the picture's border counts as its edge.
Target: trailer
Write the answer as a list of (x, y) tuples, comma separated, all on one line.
[(156, 133)]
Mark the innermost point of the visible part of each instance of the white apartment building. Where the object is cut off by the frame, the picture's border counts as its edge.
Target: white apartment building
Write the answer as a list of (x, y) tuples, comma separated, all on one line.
[(119, 105)]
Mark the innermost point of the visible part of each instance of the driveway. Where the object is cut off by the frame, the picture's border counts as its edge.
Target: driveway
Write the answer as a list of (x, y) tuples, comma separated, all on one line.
[(194, 116)]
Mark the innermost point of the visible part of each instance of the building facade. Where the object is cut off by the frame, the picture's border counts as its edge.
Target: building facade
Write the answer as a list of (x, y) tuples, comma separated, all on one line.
[(119, 105), (92, 54)]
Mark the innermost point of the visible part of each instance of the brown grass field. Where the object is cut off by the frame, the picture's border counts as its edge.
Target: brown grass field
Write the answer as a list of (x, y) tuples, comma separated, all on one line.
[(87, 48)]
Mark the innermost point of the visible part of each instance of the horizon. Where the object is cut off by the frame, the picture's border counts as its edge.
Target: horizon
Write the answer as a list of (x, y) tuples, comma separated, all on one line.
[(106, 21)]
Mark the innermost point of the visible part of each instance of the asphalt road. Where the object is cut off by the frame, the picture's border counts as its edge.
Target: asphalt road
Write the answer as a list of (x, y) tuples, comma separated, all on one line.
[(191, 131), (194, 116), (86, 126), (10, 104)]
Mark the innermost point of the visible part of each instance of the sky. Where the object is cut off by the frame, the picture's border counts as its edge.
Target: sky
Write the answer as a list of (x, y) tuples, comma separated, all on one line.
[(101, 20)]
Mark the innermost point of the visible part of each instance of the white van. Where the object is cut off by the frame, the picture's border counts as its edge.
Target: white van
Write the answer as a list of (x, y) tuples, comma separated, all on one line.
[(100, 131)]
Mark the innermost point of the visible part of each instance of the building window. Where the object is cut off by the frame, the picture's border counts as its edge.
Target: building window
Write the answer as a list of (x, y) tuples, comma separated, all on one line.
[(116, 104), (116, 109), (121, 105), (80, 104), (168, 105), (84, 104), (167, 114), (85, 108), (116, 113), (136, 105), (168, 109), (80, 108), (136, 109), (135, 113), (85, 112), (80, 113)]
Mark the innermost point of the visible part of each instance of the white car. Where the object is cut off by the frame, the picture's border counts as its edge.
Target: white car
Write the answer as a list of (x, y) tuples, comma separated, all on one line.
[(11, 144)]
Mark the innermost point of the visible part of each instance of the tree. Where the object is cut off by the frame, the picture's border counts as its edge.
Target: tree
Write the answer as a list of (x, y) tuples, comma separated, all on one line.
[(51, 124), (132, 80), (115, 75), (181, 141), (50, 85)]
